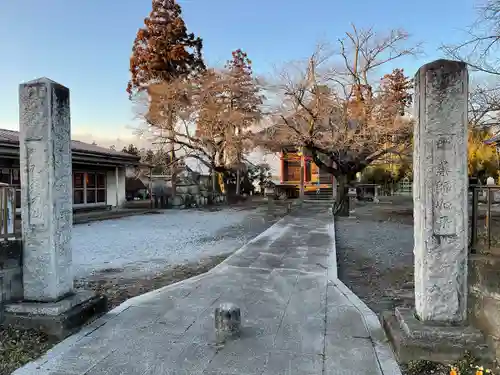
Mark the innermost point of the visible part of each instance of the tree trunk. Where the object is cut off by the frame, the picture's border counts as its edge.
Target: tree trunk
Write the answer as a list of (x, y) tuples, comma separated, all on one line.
[(341, 205), (171, 152), (302, 182), (214, 181), (238, 182)]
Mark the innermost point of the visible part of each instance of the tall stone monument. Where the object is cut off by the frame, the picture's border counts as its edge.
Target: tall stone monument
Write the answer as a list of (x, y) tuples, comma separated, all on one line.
[(47, 213), (438, 324), (440, 184), (46, 190)]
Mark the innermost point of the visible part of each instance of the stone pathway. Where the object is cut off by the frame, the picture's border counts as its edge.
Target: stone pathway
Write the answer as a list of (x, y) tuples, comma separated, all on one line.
[(298, 318)]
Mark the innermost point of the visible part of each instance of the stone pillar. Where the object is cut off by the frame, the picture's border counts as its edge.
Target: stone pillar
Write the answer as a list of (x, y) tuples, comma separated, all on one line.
[(438, 330), (46, 190), (375, 194), (440, 192), (50, 304)]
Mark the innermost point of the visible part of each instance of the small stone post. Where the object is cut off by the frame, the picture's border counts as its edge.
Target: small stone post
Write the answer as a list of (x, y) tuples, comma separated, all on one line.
[(375, 194), (440, 192), (227, 322), (46, 190)]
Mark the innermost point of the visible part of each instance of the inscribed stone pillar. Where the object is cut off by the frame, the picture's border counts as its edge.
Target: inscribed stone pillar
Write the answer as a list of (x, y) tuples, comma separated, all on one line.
[(46, 186), (440, 191)]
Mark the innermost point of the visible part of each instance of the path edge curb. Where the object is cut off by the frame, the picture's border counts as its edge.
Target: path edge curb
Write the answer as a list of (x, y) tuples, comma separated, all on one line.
[(382, 350)]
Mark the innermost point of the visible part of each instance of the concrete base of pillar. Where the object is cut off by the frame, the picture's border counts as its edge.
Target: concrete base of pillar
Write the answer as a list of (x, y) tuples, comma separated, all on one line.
[(413, 340), (59, 319)]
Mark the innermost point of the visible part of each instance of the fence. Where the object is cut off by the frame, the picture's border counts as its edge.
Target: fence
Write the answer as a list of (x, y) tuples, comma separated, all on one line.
[(8, 228), (485, 218), (403, 187)]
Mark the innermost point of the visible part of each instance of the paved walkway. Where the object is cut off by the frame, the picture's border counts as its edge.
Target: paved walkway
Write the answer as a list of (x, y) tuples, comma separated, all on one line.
[(298, 318)]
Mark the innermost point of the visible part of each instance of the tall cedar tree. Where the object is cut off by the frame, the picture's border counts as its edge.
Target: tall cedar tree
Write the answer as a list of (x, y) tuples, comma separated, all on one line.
[(244, 97), (398, 88), (163, 50)]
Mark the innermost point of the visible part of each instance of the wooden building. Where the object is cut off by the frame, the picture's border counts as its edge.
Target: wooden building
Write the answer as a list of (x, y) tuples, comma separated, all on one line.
[(291, 159)]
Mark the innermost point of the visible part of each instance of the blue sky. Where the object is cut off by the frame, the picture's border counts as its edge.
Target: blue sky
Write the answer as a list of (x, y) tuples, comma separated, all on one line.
[(86, 45)]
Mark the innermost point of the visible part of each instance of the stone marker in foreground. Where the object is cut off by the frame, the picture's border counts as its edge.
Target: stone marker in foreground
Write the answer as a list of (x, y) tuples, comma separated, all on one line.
[(440, 182), (437, 328), (227, 322), (49, 302)]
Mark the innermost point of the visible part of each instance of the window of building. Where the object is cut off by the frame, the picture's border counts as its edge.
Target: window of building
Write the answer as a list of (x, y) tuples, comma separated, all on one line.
[(90, 179), (89, 187), (90, 196), (15, 181), (101, 188), (16, 178), (78, 188), (78, 196), (5, 175)]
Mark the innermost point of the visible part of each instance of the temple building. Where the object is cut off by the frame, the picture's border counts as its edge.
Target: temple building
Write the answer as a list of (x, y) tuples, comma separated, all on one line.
[(98, 172)]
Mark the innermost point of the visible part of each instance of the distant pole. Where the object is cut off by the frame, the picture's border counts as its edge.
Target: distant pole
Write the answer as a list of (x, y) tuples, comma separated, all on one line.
[(302, 162), (151, 186)]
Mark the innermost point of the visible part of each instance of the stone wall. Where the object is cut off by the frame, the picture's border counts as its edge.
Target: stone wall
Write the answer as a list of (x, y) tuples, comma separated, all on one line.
[(484, 297), (11, 277), (191, 191)]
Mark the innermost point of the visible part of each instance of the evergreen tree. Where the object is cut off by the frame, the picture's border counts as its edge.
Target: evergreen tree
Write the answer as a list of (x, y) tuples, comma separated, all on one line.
[(131, 149), (398, 88), (244, 97), (163, 49)]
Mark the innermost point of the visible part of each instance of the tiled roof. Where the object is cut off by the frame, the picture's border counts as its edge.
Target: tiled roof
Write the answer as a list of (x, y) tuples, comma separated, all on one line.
[(12, 136)]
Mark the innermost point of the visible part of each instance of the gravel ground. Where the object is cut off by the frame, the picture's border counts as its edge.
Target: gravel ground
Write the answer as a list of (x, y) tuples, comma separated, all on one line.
[(375, 260), (143, 245), (375, 253)]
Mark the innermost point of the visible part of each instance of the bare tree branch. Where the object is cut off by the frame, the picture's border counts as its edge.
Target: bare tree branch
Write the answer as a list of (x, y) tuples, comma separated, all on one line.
[(341, 115), (480, 48)]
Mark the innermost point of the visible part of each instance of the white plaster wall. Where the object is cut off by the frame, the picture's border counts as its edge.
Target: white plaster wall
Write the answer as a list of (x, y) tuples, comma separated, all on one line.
[(273, 159), (112, 187)]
